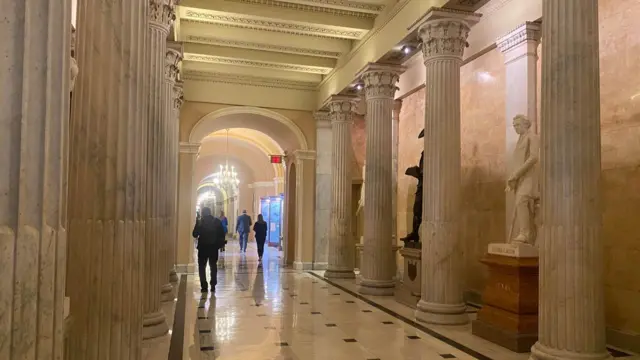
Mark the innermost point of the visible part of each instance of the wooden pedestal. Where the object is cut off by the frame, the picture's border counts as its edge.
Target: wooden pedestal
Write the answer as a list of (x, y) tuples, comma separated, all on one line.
[(509, 316), (408, 292)]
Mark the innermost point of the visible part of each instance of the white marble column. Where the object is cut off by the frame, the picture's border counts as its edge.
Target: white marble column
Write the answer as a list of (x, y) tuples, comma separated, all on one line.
[(177, 100), (187, 206), (305, 196), (107, 182), (378, 264), (444, 37), (170, 138), (34, 78), (520, 49), (395, 142), (323, 188), (571, 310), (341, 242), (161, 16)]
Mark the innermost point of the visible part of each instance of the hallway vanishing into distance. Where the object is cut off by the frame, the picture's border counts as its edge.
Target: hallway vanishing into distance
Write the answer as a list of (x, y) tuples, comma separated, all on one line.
[(267, 311)]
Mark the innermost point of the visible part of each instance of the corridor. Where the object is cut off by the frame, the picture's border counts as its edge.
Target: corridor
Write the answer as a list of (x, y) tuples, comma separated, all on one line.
[(265, 312)]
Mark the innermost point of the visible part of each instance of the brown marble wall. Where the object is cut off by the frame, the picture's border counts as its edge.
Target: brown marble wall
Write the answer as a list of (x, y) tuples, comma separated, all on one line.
[(620, 112)]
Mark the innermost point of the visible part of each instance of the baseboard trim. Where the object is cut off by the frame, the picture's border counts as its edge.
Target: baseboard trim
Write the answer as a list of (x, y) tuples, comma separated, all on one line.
[(298, 265), (186, 268), (320, 265)]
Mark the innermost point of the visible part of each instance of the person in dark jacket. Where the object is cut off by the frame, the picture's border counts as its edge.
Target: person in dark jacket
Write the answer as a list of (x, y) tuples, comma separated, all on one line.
[(210, 234), (260, 228)]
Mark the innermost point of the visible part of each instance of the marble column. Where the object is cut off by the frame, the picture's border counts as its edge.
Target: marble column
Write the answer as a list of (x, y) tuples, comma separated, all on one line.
[(444, 37), (34, 76), (167, 237), (571, 305), (177, 100), (395, 142), (161, 15), (341, 242), (305, 196), (378, 263), (323, 187), (520, 49), (107, 181)]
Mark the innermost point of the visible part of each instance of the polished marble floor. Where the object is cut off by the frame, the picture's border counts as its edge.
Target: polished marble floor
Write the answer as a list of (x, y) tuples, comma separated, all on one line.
[(263, 311)]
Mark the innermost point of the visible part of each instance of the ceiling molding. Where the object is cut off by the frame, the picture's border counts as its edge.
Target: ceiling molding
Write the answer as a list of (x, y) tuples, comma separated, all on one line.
[(271, 25), (252, 63), (261, 46), (315, 8), (249, 80), (344, 4)]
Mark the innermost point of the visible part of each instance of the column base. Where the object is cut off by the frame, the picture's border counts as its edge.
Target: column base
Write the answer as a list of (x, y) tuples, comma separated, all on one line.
[(173, 276), (339, 274), (541, 352), (441, 314), (186, 268), (320, 265), (166, 293), (299, 265), (154, 325), (376, 287)]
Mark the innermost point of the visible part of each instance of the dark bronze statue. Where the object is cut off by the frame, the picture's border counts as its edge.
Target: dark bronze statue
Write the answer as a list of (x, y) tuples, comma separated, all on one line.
[(416, 172)]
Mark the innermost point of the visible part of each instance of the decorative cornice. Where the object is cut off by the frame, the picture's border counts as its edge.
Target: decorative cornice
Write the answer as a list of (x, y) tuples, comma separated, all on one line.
[(304, 154), (261, 64), (528, 31), (310, 8), (189, 148), (342, 108), (162, 13), (172, 62), (249, 80), (374, 8), (270, 25), (380, 80), (261, 46)]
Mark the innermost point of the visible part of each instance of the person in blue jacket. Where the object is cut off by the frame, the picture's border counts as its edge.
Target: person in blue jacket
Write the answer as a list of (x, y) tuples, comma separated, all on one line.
[(243, 227), (225, 225)]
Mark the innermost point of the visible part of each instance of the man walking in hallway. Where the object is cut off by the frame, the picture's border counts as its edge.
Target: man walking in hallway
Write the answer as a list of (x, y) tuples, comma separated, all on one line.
[(243, 226), (210, 234)]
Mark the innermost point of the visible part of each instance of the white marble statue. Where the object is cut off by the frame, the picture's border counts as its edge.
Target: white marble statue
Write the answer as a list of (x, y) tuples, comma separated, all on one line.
[(361, 201), (524, 182), (73, 64)]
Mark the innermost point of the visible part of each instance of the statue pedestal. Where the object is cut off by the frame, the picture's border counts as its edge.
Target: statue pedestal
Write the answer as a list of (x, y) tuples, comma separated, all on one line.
[(509, 316), (408, 292)]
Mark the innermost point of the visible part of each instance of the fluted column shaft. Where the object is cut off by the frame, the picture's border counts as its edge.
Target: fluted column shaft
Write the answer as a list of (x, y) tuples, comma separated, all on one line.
[(34, 76), (341, 244), (377, 269), (571, 310), (176, 102), (395, 137), (444, 39), (169, 158), (161, 15), (107, 182)]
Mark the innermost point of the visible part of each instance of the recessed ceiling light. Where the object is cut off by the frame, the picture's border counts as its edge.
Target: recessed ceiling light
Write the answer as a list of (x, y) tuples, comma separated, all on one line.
[(359, 86), (406, 49)]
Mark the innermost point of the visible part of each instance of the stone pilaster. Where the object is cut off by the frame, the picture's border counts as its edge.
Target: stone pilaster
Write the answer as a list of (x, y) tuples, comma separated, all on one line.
[(34, 77), (323, 187), (176, 101), (161, 15), (170, 139), (107, 180), (571, 306), (444, 37), (378, 263), (520, 49), (341, 242), (305, 196), (186, 205)]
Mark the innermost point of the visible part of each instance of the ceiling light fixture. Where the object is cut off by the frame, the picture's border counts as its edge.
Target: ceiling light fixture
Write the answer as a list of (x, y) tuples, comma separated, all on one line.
[(406, 49)]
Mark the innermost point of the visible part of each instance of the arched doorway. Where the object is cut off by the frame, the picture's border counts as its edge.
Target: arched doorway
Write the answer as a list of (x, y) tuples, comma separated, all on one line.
[(290, 198)]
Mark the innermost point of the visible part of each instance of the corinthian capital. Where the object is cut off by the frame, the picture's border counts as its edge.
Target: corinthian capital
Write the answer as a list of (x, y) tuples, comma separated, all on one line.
[(380, 80), (444, 33), (178, 95), (342, 107), (163, 12), (172, 60)]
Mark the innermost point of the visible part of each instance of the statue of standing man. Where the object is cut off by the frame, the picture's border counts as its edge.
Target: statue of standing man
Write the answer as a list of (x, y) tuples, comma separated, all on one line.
[(524, 182)]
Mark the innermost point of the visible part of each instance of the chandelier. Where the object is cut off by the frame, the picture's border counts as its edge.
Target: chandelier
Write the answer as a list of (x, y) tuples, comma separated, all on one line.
[(227, 175)]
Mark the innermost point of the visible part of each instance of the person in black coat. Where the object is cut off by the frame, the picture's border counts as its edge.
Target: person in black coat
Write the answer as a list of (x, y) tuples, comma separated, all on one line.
[(260, 228), (210, 234)]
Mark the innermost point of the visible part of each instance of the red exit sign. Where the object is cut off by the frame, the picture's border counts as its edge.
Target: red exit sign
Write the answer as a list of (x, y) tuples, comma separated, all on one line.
[(276, 159)]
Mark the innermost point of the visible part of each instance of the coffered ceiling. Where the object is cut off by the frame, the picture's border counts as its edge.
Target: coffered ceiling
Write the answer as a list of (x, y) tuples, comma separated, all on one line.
[(293, 43)]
